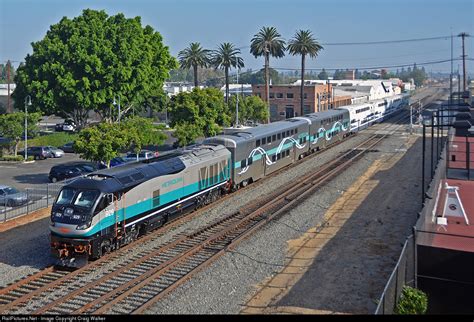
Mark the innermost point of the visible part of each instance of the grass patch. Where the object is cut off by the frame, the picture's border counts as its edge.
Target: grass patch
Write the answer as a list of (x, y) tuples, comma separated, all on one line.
[(55, 139)]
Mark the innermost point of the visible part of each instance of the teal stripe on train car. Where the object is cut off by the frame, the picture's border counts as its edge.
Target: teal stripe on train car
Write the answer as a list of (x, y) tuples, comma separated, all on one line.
[(270, 152), (257, 157), (147, 205)]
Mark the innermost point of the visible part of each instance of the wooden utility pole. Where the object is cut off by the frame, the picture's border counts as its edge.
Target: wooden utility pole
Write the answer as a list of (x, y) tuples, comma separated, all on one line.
[(464, 84)]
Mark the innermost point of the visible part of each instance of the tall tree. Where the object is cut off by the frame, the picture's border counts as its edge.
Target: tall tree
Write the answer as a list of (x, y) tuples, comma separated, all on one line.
[(225, 57), (193, 57), (200, 112), (265, 43), (81, 64), (251, 109), (303, 44)]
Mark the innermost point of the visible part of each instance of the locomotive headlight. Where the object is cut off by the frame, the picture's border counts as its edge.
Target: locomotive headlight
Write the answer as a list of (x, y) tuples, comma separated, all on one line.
[(58, 214), (84, 226), (76, 217)]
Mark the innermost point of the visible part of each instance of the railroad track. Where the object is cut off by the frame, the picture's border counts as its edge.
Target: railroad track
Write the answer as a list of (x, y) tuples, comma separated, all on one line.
[(131, 287), (134, 285)]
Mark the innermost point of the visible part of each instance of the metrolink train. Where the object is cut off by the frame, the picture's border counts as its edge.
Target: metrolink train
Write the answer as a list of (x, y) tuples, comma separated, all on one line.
[(107, 209)]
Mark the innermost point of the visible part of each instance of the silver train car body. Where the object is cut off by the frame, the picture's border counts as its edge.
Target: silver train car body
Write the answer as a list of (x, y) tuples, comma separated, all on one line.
[(259, 151)]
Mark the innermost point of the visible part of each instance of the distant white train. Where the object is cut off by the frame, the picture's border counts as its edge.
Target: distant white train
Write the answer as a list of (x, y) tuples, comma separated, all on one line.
[(362, 115)]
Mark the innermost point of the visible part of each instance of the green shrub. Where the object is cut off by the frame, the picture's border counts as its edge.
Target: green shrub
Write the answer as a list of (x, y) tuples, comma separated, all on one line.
[(15, 158), (412, 301)]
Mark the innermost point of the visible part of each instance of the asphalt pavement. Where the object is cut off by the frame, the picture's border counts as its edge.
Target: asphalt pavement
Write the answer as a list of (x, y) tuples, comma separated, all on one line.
[(31, 175)]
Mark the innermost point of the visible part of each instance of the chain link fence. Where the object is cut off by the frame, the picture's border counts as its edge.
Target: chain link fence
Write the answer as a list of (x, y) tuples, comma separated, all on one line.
[(30, 200), (403, 274)]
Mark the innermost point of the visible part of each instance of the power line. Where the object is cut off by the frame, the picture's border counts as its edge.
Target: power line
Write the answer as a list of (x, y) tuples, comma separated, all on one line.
[(380, 42), (384, 41), (373, 67)]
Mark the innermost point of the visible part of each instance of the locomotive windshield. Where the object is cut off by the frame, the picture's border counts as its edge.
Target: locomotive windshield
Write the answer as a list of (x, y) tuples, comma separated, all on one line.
[(65, 196), (76, 197), (86, 198)]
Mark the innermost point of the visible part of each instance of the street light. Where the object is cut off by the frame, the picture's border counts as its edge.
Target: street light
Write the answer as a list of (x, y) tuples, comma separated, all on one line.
[(115, 103), (27, 103)]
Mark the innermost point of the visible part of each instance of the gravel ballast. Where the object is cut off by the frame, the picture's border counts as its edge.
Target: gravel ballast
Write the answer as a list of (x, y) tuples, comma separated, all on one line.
[(227, 284)]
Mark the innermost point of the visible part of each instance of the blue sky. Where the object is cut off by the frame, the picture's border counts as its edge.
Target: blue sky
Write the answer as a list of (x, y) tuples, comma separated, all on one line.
[(212, 22)]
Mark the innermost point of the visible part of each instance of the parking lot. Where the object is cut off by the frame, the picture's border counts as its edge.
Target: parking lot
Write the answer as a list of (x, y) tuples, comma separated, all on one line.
[(31, 175)]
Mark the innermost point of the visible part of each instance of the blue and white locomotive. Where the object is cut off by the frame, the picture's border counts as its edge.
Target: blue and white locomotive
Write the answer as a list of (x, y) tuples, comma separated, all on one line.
[(108, 209)]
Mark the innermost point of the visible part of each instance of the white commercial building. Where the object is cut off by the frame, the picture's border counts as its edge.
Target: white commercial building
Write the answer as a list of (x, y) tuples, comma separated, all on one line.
[(361, 90), (242, 89), (175, 88)]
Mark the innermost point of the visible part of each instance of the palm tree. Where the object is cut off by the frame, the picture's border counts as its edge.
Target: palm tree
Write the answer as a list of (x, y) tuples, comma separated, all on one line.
[(303, 44), (265, 43), (194, 56), (225, 57)]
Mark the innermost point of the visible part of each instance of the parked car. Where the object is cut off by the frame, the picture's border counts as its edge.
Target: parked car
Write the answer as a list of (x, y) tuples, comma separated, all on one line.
[(143, 155), (115, 162), (69, 126), (66, 126), (68, 147), (57, 153), (71, 170), (11, 197), (58, 127), (38, 152)]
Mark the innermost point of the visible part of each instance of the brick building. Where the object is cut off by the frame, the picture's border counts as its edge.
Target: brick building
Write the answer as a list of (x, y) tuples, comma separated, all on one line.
[(285, 99)]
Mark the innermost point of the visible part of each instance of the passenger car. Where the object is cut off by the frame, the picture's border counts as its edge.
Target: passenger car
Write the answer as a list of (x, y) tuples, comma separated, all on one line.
[(143, 155), (57, 153), (67, 126), (68, 147), (70, 170), (38, 152), (9, 196)]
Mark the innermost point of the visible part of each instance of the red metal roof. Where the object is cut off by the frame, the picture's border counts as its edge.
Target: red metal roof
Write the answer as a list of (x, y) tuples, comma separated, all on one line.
[(457, 231)]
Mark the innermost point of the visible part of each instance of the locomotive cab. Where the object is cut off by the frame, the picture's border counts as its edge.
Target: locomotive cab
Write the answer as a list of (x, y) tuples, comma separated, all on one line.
[(74, 217), (75, 207)]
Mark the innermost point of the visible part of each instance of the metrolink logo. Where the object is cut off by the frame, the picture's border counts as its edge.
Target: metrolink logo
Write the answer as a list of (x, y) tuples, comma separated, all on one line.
[(171, 182)]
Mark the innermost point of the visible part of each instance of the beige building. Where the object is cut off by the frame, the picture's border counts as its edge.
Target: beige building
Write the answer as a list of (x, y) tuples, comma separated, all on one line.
[(285, 100)]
